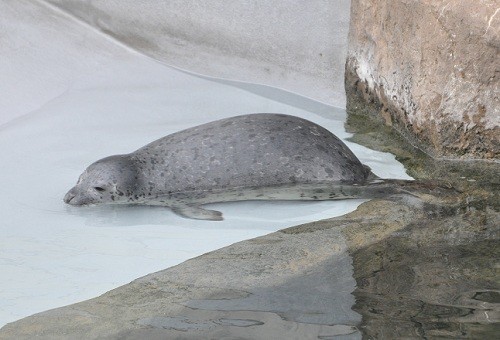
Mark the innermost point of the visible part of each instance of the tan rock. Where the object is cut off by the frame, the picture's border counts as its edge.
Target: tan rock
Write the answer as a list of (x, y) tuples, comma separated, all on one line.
[(434, 68)]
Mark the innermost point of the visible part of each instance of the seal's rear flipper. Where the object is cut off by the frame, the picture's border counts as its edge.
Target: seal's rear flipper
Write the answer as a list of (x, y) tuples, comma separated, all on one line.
[(197, 213)]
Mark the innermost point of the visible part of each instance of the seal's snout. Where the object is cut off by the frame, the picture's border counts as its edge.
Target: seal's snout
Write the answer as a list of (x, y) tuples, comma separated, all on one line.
[(69, 196), (78, 197)]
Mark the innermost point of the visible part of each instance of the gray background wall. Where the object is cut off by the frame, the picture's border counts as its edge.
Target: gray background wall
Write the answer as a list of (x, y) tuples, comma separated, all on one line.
[(295, 45)]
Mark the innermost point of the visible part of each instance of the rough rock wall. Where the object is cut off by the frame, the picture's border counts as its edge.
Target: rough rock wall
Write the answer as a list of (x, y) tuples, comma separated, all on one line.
[(295, 45), (432, 68)]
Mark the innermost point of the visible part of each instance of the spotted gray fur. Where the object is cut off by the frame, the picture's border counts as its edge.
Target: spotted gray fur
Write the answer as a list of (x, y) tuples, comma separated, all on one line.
[(250, 157)]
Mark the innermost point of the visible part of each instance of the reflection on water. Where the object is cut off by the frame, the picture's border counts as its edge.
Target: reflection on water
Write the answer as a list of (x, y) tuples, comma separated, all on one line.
[(436, 278)]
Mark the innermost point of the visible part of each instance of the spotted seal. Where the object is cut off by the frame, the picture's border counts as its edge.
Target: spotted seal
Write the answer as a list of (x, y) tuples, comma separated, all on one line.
[(250, 157)]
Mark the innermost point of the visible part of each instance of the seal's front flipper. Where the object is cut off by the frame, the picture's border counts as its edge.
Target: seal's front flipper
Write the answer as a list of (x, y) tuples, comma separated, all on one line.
[(197, 213)]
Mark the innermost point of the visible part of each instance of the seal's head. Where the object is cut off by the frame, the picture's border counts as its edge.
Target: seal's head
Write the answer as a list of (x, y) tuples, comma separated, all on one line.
[(110, 180)]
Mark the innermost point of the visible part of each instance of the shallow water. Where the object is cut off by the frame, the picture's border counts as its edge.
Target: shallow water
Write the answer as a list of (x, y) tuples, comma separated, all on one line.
[(73, 97)]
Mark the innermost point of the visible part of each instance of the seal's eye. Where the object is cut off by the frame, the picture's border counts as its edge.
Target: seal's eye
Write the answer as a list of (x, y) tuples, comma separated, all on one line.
[(99, 188)]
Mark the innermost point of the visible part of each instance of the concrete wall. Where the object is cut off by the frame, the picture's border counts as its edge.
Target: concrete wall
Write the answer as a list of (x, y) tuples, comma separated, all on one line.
[(296, 45), (432, 67)]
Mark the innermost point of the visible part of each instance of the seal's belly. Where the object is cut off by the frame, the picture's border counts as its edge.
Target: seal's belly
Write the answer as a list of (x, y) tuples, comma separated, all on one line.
[(287, 192)]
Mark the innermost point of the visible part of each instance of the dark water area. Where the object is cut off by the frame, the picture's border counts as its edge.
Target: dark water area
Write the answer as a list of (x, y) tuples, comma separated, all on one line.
[(438, 277)]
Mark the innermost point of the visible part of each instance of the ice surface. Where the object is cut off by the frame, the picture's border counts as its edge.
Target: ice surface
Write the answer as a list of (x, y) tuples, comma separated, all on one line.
[(69, 97)]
